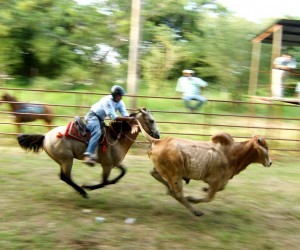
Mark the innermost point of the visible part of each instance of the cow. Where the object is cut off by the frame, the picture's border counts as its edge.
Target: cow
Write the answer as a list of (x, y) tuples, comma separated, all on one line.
[(214, 162)]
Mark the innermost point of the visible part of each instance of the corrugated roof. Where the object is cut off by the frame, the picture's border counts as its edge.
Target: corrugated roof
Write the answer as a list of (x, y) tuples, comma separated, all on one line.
[(290, 32)]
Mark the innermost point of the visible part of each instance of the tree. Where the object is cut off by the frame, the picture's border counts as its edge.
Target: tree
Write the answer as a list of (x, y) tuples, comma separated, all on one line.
[(48, 37)]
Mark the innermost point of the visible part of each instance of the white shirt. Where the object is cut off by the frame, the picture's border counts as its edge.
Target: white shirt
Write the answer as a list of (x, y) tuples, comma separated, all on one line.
[(285, 61), (190, 86), (298, 87)]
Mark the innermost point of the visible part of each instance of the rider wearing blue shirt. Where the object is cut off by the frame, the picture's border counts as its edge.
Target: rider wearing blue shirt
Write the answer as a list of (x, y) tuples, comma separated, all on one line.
[(106, 106)]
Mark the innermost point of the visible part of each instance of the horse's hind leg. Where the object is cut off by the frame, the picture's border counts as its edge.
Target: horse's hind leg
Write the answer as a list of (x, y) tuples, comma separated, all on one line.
[(49, 126), (65, 175)]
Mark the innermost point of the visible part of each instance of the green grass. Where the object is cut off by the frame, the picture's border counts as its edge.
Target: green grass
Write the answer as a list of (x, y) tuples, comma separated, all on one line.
[(259, 209)]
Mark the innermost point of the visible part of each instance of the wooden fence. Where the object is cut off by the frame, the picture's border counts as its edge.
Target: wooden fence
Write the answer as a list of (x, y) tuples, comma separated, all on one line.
[(279, 123)]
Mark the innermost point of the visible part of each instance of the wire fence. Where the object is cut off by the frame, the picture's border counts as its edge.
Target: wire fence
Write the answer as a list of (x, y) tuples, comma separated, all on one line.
[(278, 122)]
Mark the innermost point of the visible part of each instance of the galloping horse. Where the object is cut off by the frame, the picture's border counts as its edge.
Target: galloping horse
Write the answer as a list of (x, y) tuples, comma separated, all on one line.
[(25, 112), (119, 137)]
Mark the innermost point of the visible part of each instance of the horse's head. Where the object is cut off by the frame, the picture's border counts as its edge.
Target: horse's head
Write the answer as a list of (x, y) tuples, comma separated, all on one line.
[(147, 121), (8, 98), (5, 97)]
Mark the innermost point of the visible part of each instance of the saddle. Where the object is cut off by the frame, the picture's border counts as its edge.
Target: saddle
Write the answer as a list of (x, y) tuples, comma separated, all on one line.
[(77, 130)]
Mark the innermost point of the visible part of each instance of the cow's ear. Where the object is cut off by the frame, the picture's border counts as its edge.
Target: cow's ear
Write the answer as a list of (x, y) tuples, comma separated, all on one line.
[(262, 142)]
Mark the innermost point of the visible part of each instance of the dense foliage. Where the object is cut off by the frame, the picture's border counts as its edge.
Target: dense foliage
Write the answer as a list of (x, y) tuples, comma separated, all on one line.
[(73, 43)]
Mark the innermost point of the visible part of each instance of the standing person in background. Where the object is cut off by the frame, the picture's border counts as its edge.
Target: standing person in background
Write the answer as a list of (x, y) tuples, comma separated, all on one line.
[(297, 90), (190, 87), (106, 106), (281, 67)]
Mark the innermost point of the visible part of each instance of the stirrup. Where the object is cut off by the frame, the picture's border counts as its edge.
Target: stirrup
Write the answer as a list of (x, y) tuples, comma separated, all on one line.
[(88, 160)]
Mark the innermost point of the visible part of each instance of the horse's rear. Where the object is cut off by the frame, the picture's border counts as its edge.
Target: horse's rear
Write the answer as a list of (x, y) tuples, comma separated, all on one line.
[(60, 148), (63, 150), (48, 114)]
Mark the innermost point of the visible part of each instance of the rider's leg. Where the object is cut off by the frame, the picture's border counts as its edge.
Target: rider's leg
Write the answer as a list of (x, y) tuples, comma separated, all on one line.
[(94, 127)]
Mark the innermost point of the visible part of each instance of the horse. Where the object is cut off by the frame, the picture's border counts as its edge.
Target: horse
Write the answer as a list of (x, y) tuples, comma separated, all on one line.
[(119, 137), (27, 112)]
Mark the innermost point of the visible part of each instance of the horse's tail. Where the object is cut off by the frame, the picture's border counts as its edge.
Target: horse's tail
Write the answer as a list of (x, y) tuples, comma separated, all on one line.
[(31, 142), (145, 134)]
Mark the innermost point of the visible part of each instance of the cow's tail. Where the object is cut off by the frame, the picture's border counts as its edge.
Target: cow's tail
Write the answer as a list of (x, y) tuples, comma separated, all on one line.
[(31, 142), (145, 134)]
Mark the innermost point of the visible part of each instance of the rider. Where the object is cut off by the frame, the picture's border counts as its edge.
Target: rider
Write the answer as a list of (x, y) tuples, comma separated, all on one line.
[(106, 106)]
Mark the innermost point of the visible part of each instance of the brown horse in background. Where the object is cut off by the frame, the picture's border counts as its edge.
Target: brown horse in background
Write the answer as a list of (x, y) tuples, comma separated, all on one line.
[(28, 112)]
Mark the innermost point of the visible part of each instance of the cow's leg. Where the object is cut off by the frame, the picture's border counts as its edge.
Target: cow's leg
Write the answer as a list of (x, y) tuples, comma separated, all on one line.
[(205, 189), (177, 192), (213, 188), (158, 177)]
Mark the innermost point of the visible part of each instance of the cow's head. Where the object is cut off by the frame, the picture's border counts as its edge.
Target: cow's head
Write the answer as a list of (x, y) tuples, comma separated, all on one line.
[(261, 146)]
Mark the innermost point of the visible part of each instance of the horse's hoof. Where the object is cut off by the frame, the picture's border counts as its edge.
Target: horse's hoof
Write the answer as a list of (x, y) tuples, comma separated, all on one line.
[(85, 195), (198, 213)]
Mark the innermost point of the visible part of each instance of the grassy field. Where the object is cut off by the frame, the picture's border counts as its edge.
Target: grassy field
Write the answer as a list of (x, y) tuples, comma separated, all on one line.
[(259, 209)]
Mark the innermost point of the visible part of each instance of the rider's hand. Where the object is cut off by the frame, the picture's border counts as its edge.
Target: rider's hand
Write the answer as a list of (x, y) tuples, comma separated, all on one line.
[(132, 120)]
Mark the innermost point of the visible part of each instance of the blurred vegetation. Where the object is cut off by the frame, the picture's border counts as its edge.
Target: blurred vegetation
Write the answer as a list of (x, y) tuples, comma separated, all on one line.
[(87, 45)]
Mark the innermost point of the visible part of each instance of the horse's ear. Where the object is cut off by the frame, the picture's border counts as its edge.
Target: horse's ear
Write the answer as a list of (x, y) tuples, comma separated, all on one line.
[(143, 110)]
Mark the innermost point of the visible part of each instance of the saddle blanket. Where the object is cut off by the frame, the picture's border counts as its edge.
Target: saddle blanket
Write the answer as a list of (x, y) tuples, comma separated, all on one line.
[(36, 109), (72, 132)]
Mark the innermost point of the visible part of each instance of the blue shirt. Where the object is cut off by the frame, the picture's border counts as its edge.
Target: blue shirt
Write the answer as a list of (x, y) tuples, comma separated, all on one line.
[(190, 86), (106, 106)]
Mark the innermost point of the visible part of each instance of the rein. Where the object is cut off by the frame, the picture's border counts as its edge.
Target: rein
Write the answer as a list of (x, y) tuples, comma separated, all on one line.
[(118, 136)]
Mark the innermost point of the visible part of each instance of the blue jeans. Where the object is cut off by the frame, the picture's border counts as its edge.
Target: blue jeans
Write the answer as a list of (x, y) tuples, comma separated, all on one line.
[(93, 125), (200, 100)]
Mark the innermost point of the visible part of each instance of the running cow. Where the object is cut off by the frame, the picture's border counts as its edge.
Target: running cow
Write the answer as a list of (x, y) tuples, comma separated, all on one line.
[(214, 162)]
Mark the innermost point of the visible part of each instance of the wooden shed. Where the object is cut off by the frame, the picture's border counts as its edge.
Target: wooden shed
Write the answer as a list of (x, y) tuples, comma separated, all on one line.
[(284, 32)]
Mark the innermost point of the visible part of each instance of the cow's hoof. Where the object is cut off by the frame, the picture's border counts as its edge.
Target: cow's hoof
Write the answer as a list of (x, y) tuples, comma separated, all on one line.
[(198, 213)]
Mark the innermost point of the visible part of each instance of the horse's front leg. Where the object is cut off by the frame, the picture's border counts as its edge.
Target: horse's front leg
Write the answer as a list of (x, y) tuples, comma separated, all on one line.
[(122, 168), (18, 125), (105, 180)]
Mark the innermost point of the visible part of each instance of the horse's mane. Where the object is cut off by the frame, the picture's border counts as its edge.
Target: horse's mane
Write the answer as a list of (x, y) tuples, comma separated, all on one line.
[(119, 127)]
